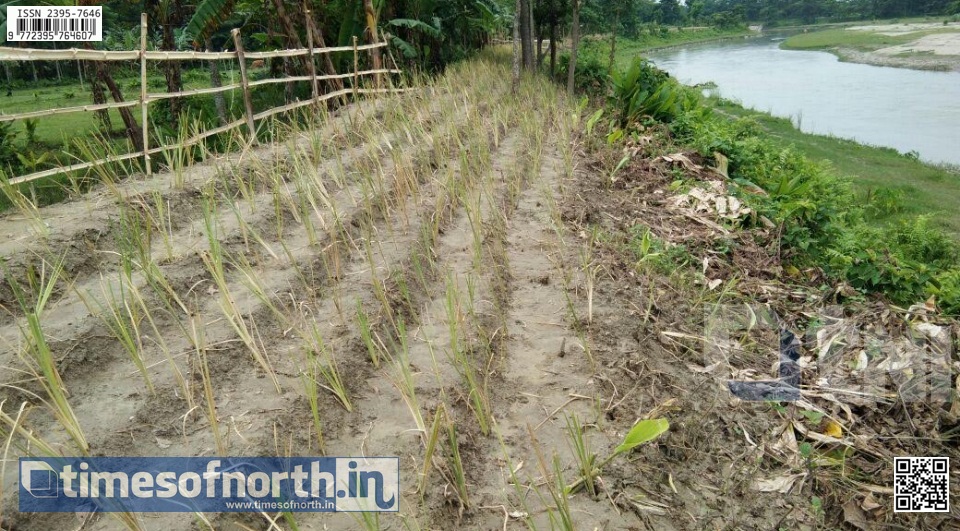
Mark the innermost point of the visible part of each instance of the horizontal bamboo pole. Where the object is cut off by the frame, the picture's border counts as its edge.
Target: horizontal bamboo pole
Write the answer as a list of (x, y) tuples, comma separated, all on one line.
[(70, 54), (160, 55), (34, 54), (166, 95), (67, 110), (193, 92), (73, 167), (306, 51), (197, 139), (295, 105), (274, 80)]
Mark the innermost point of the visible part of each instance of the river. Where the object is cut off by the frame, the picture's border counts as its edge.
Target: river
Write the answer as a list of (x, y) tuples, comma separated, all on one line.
[(908, 110)]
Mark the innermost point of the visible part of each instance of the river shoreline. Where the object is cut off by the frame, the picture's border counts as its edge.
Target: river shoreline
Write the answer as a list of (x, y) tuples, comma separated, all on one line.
[(931, 187), (917, 46)]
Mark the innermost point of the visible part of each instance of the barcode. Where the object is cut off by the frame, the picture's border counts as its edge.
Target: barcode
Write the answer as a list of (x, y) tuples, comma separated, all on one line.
[(921, 484), (54, 24), (57, 24)]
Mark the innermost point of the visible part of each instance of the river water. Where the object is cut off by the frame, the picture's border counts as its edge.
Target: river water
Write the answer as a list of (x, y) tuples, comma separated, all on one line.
[(908, 110)]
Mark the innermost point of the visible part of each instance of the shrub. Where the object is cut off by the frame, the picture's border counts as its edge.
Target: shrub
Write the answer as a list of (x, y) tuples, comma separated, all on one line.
[(8, 152), (644, 90), (591, 74), (821, 220), (946, 287)]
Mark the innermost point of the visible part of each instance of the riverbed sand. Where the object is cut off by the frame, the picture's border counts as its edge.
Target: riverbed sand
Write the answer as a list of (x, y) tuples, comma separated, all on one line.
[(933, 51), (937, 44), (903, 29)]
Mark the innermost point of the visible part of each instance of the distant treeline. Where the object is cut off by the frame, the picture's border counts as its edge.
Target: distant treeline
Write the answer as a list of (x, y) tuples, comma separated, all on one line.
[(811, 11), (633, 15)]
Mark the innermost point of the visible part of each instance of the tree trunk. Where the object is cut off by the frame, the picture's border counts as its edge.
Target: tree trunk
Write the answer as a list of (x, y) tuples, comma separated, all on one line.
[(215, 81), (133, 130), (169, 20), (553, 48), (526, 44), (292, 41), (56, 66), (99, 96), (516, 48), (540, 52), (372, 35), (9, 74), (575, 43), (530, 30), (613, 38), (335, 84)]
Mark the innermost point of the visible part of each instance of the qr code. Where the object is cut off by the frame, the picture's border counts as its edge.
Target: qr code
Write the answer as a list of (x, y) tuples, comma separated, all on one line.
[(921, 484)]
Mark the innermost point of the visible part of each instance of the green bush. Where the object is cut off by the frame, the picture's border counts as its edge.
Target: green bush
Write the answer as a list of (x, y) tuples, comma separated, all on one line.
[(644, 90), (592, 75), (946, 287), (821, 219), (8, 151)]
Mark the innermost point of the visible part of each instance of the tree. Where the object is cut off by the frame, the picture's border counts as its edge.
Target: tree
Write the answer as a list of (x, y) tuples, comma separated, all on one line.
[(526, 35), (516, 46), (575, 43), (208, 16), (371, 34), (670, 12), (168, 14)]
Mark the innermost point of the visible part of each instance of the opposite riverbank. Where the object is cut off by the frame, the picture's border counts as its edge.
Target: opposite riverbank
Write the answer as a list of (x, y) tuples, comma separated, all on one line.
[(925, 45)]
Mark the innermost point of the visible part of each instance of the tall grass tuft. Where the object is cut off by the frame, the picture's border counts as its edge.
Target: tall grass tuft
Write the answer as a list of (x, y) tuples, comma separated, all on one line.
[(321, 360), (214, 262), (40, 358)]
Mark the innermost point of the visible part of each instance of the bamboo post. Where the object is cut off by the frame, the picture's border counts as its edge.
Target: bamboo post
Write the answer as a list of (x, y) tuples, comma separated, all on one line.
[(245, 85), (311, 65), (144, 112), (356, 68)]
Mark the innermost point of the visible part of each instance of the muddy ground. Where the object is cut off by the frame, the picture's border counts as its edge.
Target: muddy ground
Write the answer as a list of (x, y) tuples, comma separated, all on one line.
[(464, 204)]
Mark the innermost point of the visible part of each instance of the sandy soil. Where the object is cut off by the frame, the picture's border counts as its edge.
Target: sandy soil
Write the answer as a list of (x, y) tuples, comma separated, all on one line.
[(902, 29)]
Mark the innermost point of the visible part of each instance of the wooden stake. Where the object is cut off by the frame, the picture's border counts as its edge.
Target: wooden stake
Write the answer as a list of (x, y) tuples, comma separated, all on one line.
[(356, 68), (311, 65), (144, 112), (245, 85)]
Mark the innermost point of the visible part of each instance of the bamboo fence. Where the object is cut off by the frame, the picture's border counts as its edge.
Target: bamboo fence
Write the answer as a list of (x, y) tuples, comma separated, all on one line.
[(145, 98)]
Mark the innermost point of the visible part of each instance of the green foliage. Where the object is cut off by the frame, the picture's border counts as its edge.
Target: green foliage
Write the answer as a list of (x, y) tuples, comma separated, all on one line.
[(30, 126), (645, 91), (651, 251), (642, 432), (946, 287), (591, 75), (8, 152), (207, 17), (431, 30), (822, 220), (885, 201)]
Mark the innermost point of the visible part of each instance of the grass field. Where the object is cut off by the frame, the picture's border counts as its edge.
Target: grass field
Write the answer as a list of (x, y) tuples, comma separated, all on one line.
[(62, 129)]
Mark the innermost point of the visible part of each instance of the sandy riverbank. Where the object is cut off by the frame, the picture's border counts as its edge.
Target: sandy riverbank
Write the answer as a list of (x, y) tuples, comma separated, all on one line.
[(929, 51)]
